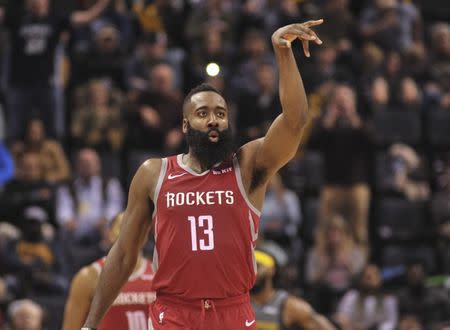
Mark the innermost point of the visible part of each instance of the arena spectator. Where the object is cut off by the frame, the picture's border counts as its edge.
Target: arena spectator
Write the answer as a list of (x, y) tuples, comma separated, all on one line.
[(26, 314)]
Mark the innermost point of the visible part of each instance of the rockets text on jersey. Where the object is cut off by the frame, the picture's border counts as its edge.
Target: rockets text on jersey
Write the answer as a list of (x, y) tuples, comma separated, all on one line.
[(205, 232)]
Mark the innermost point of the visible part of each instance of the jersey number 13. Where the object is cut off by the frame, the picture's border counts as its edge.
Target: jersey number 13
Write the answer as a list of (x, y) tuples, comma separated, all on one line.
[(206, 223)]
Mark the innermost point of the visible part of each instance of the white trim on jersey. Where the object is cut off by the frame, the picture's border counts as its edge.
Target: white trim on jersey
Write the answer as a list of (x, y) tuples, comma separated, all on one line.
[(162, 174), (187, 168), (237, 171)]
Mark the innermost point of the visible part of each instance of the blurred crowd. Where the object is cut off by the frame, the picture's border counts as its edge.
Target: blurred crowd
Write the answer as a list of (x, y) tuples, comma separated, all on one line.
[(359, 221)]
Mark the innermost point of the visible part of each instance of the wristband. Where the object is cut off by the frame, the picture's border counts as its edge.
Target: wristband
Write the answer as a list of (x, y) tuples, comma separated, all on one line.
[(88, 328)]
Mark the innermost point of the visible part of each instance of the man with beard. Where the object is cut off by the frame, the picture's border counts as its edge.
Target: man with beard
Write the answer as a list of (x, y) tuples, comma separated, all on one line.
[(276, 309), (205, 208)]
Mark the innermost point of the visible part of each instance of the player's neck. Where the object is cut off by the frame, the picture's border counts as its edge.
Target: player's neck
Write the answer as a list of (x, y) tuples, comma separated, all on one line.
[(264, 296), (192, 162)]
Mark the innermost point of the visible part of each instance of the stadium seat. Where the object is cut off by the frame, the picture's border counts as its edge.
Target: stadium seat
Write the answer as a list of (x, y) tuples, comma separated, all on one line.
[(439, 128), (383, 172), (401, 220), (397, 126), (396, 255), (306, 173)]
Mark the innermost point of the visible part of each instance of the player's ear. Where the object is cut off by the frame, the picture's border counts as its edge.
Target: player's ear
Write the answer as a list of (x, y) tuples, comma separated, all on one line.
[(185, 125)]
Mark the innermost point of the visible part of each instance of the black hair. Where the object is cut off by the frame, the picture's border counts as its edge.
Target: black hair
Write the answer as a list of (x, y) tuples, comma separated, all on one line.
[(204, 87)]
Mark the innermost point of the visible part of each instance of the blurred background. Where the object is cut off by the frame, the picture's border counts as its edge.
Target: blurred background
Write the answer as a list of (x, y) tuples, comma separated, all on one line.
[(365, 204)]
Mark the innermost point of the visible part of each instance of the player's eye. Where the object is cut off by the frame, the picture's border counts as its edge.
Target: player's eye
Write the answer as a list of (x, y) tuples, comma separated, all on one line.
[(202, 114), (221, 114)]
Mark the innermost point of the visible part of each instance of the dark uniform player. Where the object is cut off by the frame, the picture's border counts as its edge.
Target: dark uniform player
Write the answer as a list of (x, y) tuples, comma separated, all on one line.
[(206, 208), (276, 309), (130, 309)]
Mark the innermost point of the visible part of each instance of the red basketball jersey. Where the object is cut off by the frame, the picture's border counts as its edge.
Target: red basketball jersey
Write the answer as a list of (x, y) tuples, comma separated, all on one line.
[(205, 232), (130, 309)]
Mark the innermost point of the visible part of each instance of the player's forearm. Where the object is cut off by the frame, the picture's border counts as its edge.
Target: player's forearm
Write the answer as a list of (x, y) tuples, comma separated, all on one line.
[(292, 92), (118, 267)]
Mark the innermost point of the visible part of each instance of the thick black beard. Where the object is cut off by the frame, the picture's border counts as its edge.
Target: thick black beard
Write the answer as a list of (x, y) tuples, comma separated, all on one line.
[(206, 152)]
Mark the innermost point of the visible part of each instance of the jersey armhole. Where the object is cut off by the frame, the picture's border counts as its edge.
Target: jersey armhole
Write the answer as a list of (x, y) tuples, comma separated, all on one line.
[(162, 175), (237, 171)]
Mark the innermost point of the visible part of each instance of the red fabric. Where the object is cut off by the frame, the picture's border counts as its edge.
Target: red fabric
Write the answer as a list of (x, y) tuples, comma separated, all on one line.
[(221, 314), (130, 309), (203, 234)]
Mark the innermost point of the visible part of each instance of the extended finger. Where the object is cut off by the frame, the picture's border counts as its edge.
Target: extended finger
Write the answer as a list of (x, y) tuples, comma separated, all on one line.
[(317, 39), (313, 23), (305, 44), (304, 33)]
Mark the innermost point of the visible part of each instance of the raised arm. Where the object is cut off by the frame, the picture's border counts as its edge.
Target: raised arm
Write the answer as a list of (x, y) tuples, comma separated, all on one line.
[(124, 254), (283, 137), (81, 17)]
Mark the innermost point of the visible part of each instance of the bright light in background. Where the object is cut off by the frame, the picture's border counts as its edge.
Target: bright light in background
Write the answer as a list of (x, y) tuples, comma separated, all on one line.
[(212, 69)]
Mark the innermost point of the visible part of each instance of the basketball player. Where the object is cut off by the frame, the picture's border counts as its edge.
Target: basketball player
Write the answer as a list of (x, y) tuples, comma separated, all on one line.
[(276, 309), (129, 311), (206, 208)]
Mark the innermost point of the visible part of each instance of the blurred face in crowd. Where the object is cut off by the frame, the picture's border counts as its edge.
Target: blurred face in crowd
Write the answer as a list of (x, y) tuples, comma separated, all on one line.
[(370, 279), (416, 275), (206, 127), (39, 7), (36, 133), (31, 169), (255, 44), (107, 39), (213, 42), (336, 232), (409, 323), (27, 316), (393, 63), (337, 4), (326, 56), (155, 49), (441, 38), (410, 91), (385, 4), (345, 99), (265, 77), (88, 163), (162, 78), (380, 91), (99, 92)]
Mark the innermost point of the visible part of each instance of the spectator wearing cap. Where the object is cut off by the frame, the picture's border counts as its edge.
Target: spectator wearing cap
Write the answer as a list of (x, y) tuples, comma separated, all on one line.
[(25, 314)]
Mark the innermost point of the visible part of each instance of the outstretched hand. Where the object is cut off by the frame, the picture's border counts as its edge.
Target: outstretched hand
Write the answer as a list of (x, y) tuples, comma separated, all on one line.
[(284, 36)]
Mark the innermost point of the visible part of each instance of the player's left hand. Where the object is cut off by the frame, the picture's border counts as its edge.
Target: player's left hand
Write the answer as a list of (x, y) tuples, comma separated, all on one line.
[(284, 36)]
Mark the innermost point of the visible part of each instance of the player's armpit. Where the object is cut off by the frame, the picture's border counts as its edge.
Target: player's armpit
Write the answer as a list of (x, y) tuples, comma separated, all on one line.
[(81, 293)]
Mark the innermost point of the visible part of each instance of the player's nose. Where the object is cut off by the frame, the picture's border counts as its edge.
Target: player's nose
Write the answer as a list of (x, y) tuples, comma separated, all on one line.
[(212, 121)]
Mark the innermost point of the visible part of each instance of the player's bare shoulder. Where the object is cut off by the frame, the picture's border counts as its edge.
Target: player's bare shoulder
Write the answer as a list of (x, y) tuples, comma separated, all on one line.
[(147, 175)]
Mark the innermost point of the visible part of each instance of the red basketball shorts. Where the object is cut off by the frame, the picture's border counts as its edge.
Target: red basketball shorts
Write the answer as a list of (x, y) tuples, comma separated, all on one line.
[(168, 313)]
